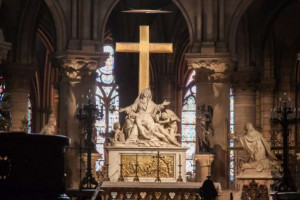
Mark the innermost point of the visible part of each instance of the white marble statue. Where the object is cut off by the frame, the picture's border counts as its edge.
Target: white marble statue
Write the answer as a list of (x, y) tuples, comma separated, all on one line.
[(141, 126), (259, 149), (119, 135), (49, 129)]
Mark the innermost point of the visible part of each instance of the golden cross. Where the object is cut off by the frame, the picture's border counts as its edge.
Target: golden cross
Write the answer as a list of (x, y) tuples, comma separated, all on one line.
[(144, 48)]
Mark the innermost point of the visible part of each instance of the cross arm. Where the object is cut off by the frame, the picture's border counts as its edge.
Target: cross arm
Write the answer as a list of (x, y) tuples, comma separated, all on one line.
[(161, 48), (127, 47)]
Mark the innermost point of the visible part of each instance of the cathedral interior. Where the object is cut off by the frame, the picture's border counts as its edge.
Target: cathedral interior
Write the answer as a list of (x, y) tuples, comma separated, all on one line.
[(240, 57)]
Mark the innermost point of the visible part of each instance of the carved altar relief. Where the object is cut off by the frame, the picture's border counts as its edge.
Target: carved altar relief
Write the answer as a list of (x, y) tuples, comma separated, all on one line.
[(147, 165)]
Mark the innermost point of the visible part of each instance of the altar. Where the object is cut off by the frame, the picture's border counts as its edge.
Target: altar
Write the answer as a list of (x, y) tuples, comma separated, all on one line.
[(171, 164)]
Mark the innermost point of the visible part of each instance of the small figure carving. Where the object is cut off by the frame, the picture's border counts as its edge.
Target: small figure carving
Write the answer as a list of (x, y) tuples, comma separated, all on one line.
[(169, 120), (259, 149), (205, 115), (119, 135), (49, 129)]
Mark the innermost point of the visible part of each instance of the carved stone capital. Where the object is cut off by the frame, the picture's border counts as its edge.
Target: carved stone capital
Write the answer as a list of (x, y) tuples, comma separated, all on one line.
[(79, 66), (211, 68), (4, 47), (246, 80)]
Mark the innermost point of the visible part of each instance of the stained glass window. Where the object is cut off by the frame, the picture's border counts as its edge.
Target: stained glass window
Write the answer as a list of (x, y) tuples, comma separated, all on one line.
[(29, 115), (107, 99), (188, 122), (231, 141), (2, 87)]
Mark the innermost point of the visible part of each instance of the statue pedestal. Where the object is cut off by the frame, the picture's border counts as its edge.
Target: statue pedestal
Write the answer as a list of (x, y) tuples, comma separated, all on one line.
[(170, 158), (255, 183), (203, 165)]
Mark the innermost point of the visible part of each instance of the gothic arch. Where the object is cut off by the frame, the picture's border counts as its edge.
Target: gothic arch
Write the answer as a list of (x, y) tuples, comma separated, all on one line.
[(109, 8), (60, 23), (234, 23)]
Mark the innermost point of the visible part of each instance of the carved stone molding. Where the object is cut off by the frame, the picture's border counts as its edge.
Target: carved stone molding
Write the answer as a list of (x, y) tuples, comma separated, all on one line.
[(211, 68), (245, 81), (78, 66)]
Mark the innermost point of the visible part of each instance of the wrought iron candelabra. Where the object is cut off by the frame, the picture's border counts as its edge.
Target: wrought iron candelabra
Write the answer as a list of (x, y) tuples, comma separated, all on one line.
[(286, 117), (87, 114)]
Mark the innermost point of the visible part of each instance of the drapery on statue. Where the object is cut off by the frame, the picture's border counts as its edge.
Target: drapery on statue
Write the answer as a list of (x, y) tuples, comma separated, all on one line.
[(259, 149), (205, 116), (49, 129), (145, 126)]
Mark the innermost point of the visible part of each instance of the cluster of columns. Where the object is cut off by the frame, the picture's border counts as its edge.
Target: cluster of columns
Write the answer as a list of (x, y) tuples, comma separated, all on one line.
[(17, 80)]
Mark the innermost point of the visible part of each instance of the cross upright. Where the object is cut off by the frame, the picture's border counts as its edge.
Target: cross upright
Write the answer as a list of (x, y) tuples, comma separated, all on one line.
[(144, 48)]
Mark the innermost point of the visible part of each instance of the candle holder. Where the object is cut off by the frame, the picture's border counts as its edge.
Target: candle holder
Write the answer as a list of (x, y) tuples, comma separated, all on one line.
[(87, 114), (286, 121), (136, 178), (157, 168), (121, 178), (179, 179)]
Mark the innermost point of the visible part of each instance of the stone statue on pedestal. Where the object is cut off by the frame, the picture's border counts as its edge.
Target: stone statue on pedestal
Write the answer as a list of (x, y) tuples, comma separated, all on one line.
[(49, 129), (205, 115), (147, 124), (259, 149)]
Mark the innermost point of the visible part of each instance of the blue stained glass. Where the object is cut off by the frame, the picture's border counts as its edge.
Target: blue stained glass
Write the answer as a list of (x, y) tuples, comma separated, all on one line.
[(99, 92), (231, 141), (29, 115), (107, 96), (115, 93), (188, 123), (190, 104), (107, 69), (107, 90), (107, 79)]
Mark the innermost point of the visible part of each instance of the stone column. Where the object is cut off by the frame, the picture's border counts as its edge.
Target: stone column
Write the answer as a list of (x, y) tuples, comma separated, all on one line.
[(267, 103), (77, 81), (244, 84), (203, 166), (213, 84), (17, 81)]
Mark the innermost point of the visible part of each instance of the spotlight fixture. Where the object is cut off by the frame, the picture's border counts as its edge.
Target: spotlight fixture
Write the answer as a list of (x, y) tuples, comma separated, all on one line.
[(146, 11)]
